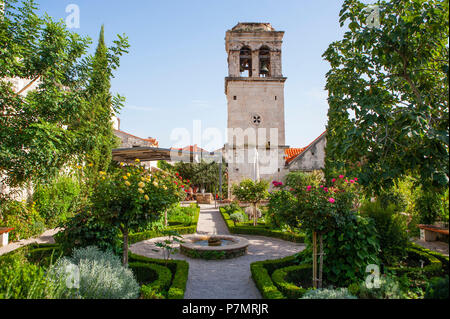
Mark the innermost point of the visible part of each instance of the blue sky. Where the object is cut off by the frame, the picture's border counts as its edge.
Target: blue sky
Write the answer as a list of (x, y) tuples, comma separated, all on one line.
[(175, 70)]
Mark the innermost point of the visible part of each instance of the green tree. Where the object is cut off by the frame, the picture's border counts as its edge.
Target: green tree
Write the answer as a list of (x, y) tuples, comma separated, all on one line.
[(252, 192), (388, 94), (102, 108), (43, 130)]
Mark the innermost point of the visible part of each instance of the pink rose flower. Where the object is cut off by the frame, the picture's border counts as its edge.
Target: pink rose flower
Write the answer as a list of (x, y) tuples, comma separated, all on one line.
[(341, 176), (331, 200), (308, 188), (352, 181), (325, 189), (333, 180)]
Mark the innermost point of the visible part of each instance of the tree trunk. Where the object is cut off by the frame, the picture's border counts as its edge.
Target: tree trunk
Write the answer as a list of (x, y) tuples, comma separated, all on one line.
[(255, 215), (320, 260), (125, 247), (165, 218), (314, 260)]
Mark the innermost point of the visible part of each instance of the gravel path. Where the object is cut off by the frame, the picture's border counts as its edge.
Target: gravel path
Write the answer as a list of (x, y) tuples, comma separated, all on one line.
[(223, 279), (45, 238)]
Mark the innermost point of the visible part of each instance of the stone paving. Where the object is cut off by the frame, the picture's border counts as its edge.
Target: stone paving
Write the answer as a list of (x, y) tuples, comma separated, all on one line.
[(223, 279), (45, 238)]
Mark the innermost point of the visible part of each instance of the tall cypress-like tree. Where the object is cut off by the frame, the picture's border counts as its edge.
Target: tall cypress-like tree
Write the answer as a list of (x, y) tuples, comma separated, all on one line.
[(102, 110)]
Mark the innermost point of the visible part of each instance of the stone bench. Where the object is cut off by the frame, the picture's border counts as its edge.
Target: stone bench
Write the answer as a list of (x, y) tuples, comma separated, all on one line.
[(4, 232), (431, 232)]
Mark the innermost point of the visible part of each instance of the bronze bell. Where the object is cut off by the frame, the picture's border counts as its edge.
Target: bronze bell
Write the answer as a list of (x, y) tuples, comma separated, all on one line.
[(264, 69)]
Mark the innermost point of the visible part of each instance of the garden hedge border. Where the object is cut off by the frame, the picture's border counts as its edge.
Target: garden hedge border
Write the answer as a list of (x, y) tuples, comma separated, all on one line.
[(182, 230), (160, 284), (288, 289), (262, 275), (441, 257), (431, 269), (252, 230), (178, 268)]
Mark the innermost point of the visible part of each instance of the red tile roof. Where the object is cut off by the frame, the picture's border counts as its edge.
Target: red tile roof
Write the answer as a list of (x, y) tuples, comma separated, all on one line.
[(292, 153)]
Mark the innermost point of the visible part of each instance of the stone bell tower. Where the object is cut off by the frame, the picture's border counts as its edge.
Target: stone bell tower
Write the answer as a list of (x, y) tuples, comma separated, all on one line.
[(255, 94)]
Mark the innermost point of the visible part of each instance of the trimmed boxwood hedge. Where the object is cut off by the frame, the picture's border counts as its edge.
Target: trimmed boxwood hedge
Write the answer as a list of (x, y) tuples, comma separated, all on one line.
[(442, 258), (181, 229), (259, 230), (432, 265), (178, 268), (151, 277), (283, 279), (262, 275)]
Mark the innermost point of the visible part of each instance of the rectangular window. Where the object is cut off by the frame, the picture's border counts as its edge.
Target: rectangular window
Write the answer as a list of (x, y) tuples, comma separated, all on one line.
[(235, 97)]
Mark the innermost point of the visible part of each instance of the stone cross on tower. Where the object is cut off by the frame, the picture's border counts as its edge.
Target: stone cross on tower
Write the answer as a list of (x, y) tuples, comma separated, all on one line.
[(255, 94)]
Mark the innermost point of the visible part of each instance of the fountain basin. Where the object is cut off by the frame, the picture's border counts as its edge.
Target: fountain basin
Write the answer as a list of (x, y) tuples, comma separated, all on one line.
[(206, 247)]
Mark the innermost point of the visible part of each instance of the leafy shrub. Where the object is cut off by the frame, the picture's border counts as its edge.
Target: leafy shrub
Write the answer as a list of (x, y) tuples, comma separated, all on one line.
[(21, 279), (281, 204), (428, 206), (348, 250), (237, 217), (389, 288), (102, 275), (57, 200), (85, 229), (339, 293), (391, 229), (182, 215), (21, 216), (260, 230), (437, 288)]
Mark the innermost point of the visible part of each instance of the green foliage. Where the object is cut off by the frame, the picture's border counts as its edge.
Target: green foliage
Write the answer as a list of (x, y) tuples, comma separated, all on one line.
[(167, 245), (282, 205), (417, 263), (262, 276), (21, 279), (101, 275), (21, 216), (348, 250), (388, 94), (237, 217), (50, 127), (181, 229), (182, 215), (293, 281), (302, 179), (250, 191), (179, 270), (391, 229), (204, 174), (260, 230), (437, 288), (121, 198), (154, 279), (85, 229), (339, 293), (57, 200), (428, 206)]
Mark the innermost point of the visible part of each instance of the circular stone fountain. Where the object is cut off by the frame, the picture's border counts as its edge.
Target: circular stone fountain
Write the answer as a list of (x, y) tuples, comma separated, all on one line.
[(213, 246)]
